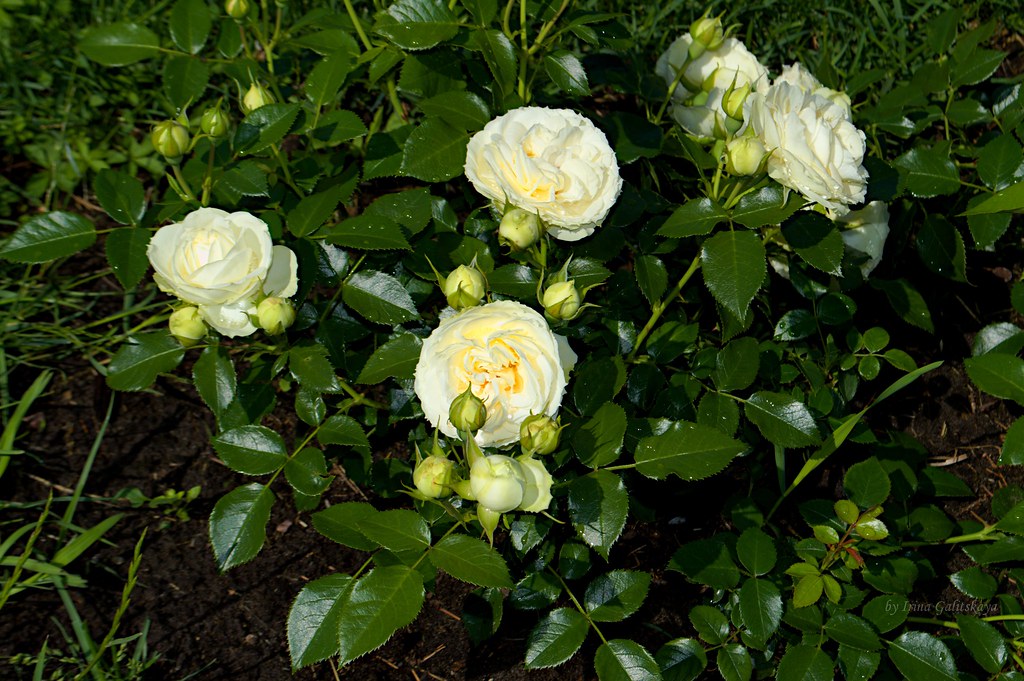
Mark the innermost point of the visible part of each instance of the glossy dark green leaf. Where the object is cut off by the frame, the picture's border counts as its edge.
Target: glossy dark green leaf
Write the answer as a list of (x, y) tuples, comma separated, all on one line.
[(624, 660), (807, 590), (1013, 446), (555, 638), (681, 659), (688, 450), (984, 642), (119, 44), (379, 297), (908, 303), (694, 218), (1001, 162), (483, 11), (481, 613), (121, 195), (381, 603), (756, 551), (598, 504), (922, 657), (142, 358), (500, 56), (49, 236), (761, 607), (891, 575), (817, 240), (411, 209), (710, 624), (327, 77), (238, 524), (598, 442), (930, 172), (252, 450), (535, 591), (941, 248), (734, 663), (470, 560), (464, 110), (633, 136), (342, 430), (736, 364), (306, 472), (719, 411), (397, 530), (858, 665), (805, 663), (615, 595), (214, 377), (185, 80), (867, 483), (312, 211), (886, 612), (770, 205), (998, 374), (395, 359), (651, 276), (848, 629), (190, 23), (519, 281), (126, 252), (244, 179), (795, 325), (566, 71), (980, 65), (1008, 200), (339, 522), (367, 233), (265, 126), (435, 151), (315, 619), (338, 126), (706, 561), (418, 24), (734, 268), (310, 366), (782, 419)]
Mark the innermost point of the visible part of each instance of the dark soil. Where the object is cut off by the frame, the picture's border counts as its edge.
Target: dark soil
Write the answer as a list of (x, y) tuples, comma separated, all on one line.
[(210, 626)]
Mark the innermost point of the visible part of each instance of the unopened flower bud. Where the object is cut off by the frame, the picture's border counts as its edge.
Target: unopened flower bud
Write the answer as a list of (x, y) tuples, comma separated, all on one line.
[(256, 97), (433, 476), (467, 412), (237, 9), (744, 155), (699, 99), (497, 482), (708, 32), (733, 100), (170, 139), (465, 287), (538, 434), (561, 300), (187, 326), (519, 229), (274, 315), (536, 486), (214, 122)]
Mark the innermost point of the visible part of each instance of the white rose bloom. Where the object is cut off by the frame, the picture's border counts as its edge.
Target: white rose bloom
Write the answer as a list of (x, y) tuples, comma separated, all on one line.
[(509, 356), (730, 63), (223, 263), (814, 147), (866, 232), (796, 74), (551, 162)]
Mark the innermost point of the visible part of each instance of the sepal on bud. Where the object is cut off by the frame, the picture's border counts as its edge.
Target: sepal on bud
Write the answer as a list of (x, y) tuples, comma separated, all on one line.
[(433, 477), (256, 97), (274, 315), (538, 434), (214, 122), (170, 139), (562, 300), (187, 325), (465, 287), (467, 412)]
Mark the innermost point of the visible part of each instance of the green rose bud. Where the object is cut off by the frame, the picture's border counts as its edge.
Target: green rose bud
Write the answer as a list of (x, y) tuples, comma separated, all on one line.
[(732, 102), (170, 139), (744, 156), (237, 9), (519, 229), (536, 487), (274, 315), (187, 326), (708, 32), (497, 482), (562, 301), (214, 122), (433, 476), (465, 287), (538, 434), (256, 97), (467, 412)]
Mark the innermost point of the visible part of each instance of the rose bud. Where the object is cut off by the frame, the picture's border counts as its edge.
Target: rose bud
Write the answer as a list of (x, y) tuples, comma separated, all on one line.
[(170, 139), (519, 229), (467, 412), (214, 122), (562, 301), (744, 156), (497, 482), (538, 434), (274, 315), (256, 97), (433, 476), (237, 9), (187, 325), (465, 287)]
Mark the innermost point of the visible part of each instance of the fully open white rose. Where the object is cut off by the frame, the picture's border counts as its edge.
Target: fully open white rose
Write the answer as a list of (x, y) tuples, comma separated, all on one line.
[(866, 231), (510, 358), (729, 65), (814, 147), (796, 74), (224, 264), (551, 162)]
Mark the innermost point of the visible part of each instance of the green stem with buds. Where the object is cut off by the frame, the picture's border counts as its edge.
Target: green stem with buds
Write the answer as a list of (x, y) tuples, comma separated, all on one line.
[(659, 307)]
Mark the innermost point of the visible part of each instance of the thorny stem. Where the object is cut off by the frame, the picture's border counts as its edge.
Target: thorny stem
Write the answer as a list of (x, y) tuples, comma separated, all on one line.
[(659, 308)]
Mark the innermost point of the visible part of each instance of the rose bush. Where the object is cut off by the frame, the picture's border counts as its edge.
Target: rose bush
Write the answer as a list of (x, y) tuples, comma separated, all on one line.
[(552, 162), (510, 358), (224, 264)]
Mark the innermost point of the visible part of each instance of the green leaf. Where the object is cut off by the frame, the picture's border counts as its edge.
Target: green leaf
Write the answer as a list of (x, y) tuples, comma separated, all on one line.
[(598, 441), (718, 411), (368, 233), (907, 302), (891, 575), (139, 361), (922, 657), (481, 613), (984, 642), (238, 524), (633, 136), (1008, 200), (805, 663), (244, 179), (817, 240), (734, 662), (689, 450), (126, 253), (651, 277), (252, 450), (461, 109), (306, 472), (471, 560), (867, 483), (858, 665), (598, 504), (483, 11), (681, 659), (119, 44), (1013, 446), (1001, 337), (315, 618), (770, 205), (395, 359), (338, 523), (761, 607), (709, 622), (435, 151), (49, 236), (734, 268), (381, 603), (519, 281), (848, 629), (418, 24), (782, 419), (930, 172), (886, 612), (706, 561), (342, 430), (756, 551), (555, 638), (190, 24), (1001, 162), (795, 325), (535, 591), (264, 126), (941, 248), (615, 595), (327, 77), (1013, 520), (500, 55), (397, 530), (379, 297), (941, 30), (565, 70), (335, 127), (998, 374), (1001, 551), (411, 209), (807, 590), (309, 366), (736, 365), (214, 377), (121, 195), (980, 65), (312, 211), (624, 660), (694, 218)]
